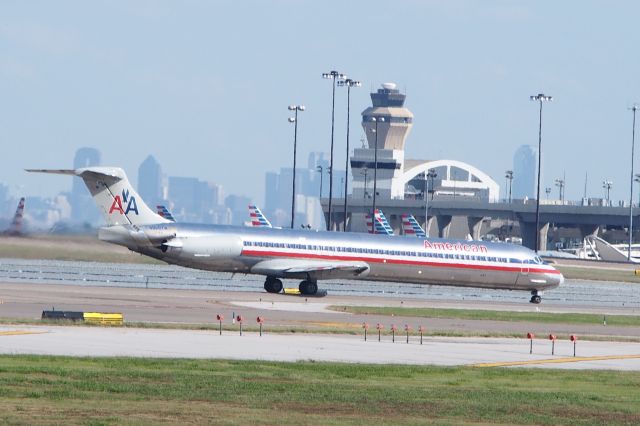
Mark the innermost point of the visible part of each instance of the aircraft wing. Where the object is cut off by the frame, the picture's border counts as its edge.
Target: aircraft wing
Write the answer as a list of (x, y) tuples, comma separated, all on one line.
[(311, 269)]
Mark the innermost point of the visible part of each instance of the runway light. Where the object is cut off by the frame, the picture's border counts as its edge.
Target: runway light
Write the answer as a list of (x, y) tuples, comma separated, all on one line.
[(530, 336), (574, 339), (393, 333), (407, 328), (240, 318), (379, 327), (220, 318), (365, 327), (552, 337), (421, 330), (260, 321)]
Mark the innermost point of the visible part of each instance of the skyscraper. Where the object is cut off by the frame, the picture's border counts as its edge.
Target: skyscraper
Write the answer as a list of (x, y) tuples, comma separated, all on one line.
[(525, 161), (83, 209), (150, 181)]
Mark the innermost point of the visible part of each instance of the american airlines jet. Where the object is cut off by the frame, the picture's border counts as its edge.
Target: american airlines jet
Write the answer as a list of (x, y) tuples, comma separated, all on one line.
[(308, 256)]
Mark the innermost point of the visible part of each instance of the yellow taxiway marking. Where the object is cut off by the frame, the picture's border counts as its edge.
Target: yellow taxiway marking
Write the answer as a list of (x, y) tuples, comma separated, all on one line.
[(556, 360), (20, 332)]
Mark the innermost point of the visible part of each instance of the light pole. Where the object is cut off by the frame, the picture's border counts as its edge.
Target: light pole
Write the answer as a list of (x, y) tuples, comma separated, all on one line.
[(540, 98), (560, 185), (428, 175), (548, 191), (509, 176), (364, 172), (607, 184), (349, 83), (294, 120), (333, 75), (636, 178), (375, 171), (320, 169), (634, 108)]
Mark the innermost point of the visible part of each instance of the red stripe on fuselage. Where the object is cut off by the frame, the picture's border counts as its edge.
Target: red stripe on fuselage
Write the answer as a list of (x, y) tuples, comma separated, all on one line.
[(399, 261)]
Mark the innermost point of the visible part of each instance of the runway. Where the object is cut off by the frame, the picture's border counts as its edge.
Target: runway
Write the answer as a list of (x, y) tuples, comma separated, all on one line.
[(167, 294), (154, 343)]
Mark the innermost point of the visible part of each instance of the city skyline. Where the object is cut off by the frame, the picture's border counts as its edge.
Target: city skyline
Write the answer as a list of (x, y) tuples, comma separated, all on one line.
[(206, 104)]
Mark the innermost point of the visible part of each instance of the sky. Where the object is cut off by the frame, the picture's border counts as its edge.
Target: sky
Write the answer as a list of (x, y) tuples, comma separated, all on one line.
[(204, 85)]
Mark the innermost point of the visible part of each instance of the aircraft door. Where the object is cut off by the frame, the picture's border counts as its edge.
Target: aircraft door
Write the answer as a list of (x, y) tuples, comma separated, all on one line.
[(524, 267)]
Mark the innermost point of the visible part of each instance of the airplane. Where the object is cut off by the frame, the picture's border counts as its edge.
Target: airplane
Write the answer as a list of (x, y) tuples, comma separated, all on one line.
[(164, 212), (258, 220), (15, 228), (381, 223), (309, 256), (410, 226)]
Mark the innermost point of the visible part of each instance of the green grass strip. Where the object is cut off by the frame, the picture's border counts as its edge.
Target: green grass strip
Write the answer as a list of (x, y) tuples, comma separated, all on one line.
[(56, 390), (478, 314)]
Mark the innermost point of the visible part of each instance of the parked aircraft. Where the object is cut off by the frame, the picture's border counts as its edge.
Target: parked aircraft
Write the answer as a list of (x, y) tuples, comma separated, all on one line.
[(309, 256), (257, 218), (16, 224), (410, 226), (381, 223), (164, 212)]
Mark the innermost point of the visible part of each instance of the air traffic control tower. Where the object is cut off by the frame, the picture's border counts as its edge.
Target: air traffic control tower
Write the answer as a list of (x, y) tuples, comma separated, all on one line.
[(388, 122)]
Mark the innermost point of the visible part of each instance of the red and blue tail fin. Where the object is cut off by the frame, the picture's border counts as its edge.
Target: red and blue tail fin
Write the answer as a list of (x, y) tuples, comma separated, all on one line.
[(410, 226), (381, 224), (257, 218), (164, 212)]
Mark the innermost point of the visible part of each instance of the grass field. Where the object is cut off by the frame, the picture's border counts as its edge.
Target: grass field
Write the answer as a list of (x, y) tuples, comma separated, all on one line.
[(597, 274), (55, 390), (478, 314), (78, 248)]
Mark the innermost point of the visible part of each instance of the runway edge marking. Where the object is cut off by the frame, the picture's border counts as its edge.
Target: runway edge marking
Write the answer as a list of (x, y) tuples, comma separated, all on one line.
[(555, 360)]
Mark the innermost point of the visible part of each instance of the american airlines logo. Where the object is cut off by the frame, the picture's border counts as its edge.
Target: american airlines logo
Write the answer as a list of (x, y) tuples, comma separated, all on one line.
[(474, 248), (119, 202)]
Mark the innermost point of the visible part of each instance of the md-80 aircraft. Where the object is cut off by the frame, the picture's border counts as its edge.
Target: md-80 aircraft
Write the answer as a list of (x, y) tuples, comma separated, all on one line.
[(308, 256)]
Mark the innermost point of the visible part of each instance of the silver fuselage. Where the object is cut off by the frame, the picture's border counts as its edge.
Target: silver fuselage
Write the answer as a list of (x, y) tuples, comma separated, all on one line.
[(390, 258)]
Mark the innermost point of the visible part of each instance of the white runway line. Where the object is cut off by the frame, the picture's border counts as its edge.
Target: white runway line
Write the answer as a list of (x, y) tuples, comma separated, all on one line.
[(157, 343)]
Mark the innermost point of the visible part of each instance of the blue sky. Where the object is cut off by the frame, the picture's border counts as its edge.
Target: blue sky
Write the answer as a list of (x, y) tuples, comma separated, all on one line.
[(204, 85)]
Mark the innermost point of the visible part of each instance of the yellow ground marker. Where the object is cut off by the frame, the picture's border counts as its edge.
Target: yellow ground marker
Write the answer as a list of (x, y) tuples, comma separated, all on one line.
[(20, 332), (556, 360)]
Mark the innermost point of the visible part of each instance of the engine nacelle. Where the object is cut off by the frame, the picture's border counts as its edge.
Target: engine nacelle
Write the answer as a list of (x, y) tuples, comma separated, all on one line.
[(212, 246)]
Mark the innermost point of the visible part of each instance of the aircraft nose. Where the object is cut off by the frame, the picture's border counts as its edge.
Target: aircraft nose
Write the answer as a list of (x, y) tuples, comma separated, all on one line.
[(557, 278)]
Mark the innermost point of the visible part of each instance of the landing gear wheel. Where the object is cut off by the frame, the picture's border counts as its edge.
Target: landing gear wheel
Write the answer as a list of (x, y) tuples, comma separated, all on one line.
[(273, 285), (535, 297), (308, 288)]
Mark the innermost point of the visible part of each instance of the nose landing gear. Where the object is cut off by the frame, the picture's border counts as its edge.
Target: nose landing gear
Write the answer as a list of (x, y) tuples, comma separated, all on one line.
[(535, 297)]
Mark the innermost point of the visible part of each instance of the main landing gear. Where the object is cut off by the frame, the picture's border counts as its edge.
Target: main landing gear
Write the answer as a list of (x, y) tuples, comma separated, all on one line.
[(307, 287), (535, 297), (273, 285)]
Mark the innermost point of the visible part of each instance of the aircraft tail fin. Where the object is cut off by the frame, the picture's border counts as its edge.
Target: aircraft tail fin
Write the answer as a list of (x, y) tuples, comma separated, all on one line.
[(257, 218), (119, 203), (164, 212), (410, 226), (16, 224), (381, 225)]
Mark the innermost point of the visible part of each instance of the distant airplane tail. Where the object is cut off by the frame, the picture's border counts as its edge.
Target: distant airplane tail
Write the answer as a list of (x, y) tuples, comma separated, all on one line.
[(410, 226), (164, 212), (16, 224), (257, 218), (119, 203), (381, 224)]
